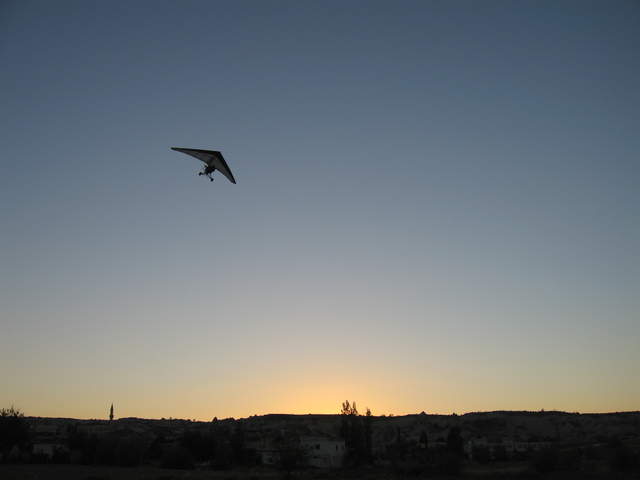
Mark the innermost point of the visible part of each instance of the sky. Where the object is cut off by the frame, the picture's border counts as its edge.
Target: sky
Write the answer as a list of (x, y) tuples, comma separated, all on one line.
[(437, 207)]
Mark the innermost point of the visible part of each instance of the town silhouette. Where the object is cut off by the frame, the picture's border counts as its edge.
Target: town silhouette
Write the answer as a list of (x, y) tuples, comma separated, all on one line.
[(348, 444)]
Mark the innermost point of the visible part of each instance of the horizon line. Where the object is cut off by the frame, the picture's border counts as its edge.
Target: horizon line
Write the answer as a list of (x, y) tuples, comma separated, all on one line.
[(391, 415)]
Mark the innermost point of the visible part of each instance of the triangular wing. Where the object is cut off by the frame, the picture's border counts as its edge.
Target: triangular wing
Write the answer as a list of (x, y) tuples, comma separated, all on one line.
[(221, 165), (199, 154), (210, 157)]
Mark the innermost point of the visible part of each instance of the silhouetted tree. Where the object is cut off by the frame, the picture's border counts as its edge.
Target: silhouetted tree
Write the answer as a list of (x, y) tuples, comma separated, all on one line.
[(424, 440), (14, 431), (348, 409), (454, 441), (345, 413), (154, 452), (237, 444), (423, 446), (352, 430), (397, 451), (368, 436)]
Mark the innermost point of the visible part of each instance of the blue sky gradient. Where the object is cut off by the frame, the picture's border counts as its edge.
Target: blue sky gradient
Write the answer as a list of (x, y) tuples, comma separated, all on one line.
[(437, 207)]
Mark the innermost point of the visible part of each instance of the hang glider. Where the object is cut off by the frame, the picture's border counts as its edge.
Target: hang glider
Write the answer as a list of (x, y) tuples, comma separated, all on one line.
[(213, 160)]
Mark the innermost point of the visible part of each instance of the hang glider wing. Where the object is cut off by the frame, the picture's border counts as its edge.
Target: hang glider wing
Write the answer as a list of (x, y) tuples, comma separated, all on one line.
[(210, 157)]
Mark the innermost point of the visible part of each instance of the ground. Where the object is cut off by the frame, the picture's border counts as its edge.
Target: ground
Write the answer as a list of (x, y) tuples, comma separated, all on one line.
[(80, 472)]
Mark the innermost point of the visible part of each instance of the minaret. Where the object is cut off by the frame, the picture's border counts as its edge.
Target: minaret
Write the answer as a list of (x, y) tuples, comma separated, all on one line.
[(111, 412)]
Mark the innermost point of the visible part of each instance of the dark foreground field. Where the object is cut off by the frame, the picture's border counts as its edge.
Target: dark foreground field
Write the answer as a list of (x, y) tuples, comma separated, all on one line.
[(81, 472)]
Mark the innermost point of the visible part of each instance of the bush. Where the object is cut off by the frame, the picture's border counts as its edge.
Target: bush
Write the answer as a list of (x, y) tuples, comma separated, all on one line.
[(105, 453), (500, 453), (570, 459), (291, 457), (177, 457), (448, 462), (621, 458), (128, 452), (60, 456), (545, 460), (481, 454)]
